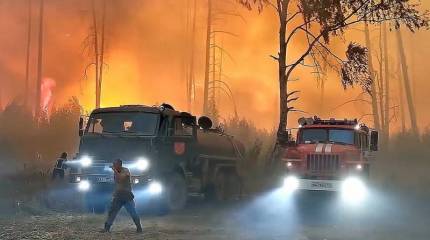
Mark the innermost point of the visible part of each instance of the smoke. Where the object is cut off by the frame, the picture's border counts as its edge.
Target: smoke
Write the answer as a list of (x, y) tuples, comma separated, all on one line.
[(145, 52)]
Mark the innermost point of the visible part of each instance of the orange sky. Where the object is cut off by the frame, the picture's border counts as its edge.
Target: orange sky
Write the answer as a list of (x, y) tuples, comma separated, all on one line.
[(145, 52)]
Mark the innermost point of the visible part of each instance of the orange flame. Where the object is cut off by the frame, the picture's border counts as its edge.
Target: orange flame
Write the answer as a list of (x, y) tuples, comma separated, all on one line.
[(46, 90)]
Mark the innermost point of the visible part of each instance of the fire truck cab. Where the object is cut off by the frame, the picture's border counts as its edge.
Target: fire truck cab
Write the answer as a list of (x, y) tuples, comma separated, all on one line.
[(330, 155)]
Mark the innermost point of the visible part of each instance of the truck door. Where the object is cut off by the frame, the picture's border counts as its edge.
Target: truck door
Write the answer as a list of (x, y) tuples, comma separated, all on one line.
[(182, 141)]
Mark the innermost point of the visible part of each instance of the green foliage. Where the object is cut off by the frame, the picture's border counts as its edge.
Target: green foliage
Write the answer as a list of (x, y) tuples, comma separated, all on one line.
[(258, 142), (404, 165), (30, 143), (355, 71), (322, 19), (258, 145)]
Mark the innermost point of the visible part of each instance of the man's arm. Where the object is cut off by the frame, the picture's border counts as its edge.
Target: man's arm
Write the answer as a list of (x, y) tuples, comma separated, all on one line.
[(119, 176)]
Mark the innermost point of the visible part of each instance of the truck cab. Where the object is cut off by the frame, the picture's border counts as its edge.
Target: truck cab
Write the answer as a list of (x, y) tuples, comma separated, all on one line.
[(330, 155), (168, 154)]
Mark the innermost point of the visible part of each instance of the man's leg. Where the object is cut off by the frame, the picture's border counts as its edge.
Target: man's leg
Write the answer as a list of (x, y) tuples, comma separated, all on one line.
[(115, 206), (131, 209), (54, 174)]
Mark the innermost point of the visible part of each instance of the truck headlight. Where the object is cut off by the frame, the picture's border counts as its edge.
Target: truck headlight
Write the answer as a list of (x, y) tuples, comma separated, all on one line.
[(353, 190), (86, 161), (155, 188), (142, 164), (291, 183), (84, 185)]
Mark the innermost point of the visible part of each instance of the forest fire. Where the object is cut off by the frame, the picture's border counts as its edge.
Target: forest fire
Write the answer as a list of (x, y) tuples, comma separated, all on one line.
[(47, 88), (188, 108)]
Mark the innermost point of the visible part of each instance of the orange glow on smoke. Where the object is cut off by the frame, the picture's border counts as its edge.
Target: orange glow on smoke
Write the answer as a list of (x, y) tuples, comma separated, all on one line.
[(146, 45)]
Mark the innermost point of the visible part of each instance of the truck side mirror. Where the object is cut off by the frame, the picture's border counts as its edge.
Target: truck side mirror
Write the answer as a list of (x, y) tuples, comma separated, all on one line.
[(189, 120), (291, 143), (81, 126), (285, 138), (374, 136)]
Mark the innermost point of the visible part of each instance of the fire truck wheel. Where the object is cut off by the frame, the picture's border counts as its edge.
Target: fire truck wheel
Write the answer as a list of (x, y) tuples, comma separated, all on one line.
[(176, 193)]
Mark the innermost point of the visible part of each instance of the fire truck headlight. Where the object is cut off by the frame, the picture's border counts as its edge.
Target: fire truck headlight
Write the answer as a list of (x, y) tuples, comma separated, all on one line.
[(84, 185), (291, 183), (353, 190), (86, 161), (142, 164), (155, 188)]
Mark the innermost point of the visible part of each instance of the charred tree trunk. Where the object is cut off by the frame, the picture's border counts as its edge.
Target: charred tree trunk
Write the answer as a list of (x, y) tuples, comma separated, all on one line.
[(406, 82), (207, 61), (102, 51), (96, 54), (39, 62), (282, 68), (322, 96), (27, 62), (1, 96), (190, 81), (212, 101), (381, 86), (283, 84), (387, 86), (375, 112), (402, 104)]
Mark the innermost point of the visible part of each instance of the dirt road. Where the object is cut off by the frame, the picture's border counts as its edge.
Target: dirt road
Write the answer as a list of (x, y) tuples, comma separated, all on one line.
[(265, 217)]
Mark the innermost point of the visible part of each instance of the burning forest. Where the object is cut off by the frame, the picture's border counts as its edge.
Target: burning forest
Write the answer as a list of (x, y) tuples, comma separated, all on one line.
[(214, 119)]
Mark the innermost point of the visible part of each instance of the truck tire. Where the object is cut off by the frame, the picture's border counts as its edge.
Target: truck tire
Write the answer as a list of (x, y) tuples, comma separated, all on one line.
[(176, 194), (220, 186), (225, 187), (232, 186)]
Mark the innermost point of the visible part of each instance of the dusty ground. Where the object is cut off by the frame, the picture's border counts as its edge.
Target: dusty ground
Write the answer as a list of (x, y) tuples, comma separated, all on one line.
[(268, 216)]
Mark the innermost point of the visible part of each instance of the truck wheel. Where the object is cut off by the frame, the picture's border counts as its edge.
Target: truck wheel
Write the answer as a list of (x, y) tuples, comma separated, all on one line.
[(220, 186), (226, 186), (232, 188), (216, 191), (176, 193)]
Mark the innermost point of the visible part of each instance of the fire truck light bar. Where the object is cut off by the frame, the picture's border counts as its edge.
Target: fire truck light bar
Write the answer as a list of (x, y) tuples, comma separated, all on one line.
[(316, 120)]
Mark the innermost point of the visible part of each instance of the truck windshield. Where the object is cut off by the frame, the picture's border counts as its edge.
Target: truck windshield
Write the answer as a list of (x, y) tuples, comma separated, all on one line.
[(133, 123), (318, 135)]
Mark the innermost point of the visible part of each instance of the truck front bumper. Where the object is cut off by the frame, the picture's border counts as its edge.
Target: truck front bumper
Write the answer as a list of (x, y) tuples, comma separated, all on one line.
[(352, 188), (93, 182), (317, 185)]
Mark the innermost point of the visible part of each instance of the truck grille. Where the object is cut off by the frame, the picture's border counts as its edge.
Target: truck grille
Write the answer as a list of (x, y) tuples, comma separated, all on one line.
[(323, 163)]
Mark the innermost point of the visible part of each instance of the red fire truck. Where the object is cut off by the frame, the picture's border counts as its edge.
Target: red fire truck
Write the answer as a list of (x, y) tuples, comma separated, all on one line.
[(330, 155)]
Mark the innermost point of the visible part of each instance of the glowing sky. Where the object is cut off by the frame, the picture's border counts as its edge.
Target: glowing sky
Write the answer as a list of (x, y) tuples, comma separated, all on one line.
[(145, 59)]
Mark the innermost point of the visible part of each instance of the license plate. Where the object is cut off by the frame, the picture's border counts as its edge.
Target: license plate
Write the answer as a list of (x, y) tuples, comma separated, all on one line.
[(104, 179), (321, 185)]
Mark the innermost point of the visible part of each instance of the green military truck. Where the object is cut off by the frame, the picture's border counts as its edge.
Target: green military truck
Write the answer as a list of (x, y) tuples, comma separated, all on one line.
[(170, 156)]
